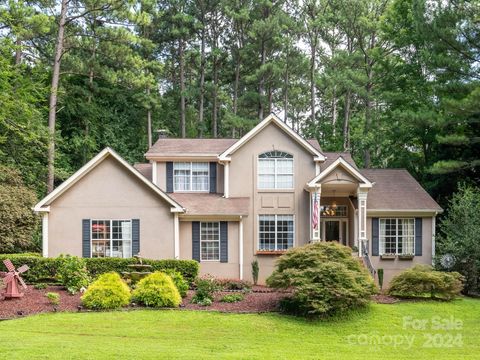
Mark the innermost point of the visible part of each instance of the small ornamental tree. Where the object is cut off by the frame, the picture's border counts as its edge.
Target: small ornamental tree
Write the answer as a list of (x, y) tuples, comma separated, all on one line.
[(460, 236), (109, 291), (325, 279), (17, 219)]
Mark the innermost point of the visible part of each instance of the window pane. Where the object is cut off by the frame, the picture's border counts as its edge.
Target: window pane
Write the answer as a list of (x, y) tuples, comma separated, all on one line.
[(209, 241), (284, 166), (266, 166), (266, 182), (267, 232), (406, 236), (388, 237), (284, 181), (112, 238), (181, 176), (200, 177), (284, 232)]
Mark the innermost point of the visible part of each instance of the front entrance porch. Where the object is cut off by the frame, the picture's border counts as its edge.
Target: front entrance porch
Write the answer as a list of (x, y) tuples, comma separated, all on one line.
[(338, 205)]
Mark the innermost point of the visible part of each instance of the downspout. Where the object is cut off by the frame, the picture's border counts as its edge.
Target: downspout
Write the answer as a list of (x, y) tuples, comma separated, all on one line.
[(434, 218), (240, 248)]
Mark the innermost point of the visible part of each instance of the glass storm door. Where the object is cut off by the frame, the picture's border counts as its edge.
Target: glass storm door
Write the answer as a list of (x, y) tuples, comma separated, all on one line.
[(332, 230)]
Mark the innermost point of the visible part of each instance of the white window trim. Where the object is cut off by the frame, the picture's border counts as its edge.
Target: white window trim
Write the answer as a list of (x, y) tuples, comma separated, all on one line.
[(191, 177), (219, 241), (275, 174), (276, 240), (111, 236), (396, 235)]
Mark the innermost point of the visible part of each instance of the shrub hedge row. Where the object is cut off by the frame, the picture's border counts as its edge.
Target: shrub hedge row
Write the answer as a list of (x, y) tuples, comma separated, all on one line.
[(45, 269)]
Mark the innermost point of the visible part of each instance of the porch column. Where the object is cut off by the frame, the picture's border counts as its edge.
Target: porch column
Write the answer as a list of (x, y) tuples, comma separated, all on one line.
[(362, 218), (45, 234), (240, 248), (176, 236), (315, 213)]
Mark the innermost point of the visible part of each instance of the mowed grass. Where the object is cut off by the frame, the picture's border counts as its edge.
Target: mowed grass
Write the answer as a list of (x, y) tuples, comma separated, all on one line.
[(172, 334)]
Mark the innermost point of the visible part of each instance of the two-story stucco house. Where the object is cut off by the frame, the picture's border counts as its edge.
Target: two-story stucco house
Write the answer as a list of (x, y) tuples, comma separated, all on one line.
[(225, 202)]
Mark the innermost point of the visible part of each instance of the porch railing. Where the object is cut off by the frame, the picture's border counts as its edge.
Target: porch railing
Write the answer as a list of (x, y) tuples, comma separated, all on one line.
[(366, 259)]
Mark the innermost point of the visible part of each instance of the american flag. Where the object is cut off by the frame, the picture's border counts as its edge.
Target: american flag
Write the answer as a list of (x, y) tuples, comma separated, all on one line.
[(315, 211)]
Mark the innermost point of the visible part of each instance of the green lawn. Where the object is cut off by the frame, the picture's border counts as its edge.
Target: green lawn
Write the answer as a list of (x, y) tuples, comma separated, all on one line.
[(174, 334)]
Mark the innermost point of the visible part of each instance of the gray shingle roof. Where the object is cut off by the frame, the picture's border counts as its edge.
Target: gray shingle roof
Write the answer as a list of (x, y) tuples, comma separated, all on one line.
[(396, 189), (144, 169), (192, 147)]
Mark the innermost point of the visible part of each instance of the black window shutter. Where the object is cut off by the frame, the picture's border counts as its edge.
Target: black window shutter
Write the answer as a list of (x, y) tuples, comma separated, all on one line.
[(169, 177), (135, 236), (375, 236), (418, 236), (213, 177), (86, 238), (223, 241), (196, 240)]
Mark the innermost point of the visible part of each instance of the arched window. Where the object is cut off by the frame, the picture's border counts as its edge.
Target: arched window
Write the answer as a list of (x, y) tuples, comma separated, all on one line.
[(275, 170)]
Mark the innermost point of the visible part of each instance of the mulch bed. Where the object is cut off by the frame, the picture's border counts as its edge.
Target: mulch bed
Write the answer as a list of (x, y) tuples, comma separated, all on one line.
[(34, 301), (384, 299), (261, 299)]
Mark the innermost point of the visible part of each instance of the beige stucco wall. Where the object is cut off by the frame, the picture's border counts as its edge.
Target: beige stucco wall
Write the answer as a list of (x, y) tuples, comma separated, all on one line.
[(109, 191), (243, 183), (396, 266), (229, 270)]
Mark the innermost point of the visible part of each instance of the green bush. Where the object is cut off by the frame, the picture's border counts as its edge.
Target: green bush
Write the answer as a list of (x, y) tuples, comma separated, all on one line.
[(255, 271), (45, 269), (231, 298), (178, 280), (53, 297), (40, 286), (325, 279), (157, 290), (205, 287), (72, 273), (109, 291), (422, 281), (231, 284)]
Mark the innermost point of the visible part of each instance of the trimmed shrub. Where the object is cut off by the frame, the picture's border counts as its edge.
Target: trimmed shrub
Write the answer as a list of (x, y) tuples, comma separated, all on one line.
[(178, 280), (205, 287), (72, 273), (325, 279), (109, 291), (232, 298), (233, 285), (422, 281), (45, 269), (157, 290), (255, 271)]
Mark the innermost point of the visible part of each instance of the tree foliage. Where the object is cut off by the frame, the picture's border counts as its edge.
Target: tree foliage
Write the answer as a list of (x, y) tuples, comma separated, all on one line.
[(17, 220), (325, 278), (459, 236)]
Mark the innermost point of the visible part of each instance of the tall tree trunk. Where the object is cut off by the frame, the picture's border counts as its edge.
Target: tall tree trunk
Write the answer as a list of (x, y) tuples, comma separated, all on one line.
[(181, 53), (285, 95), (334, 111), (270, 99), (215, 76), (52, 110), (368, 118), (346, 121), (202, 82), (313, 52), (18, 51), (237, 81), (149, 119), (261, 83)]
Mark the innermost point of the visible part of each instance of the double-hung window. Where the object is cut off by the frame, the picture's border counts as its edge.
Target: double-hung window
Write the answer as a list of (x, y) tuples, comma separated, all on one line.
[(276, 232), (275, 170), (209, 241), (111, 238), (397, 236), (190, 176)]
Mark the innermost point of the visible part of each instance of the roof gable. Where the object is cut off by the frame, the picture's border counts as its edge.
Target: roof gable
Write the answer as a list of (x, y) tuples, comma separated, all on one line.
[(268, 120), (341, 162), (43, 204)]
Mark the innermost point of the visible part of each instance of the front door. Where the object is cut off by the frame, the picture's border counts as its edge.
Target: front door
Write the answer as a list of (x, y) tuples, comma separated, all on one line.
[(335, 230), (332, 230)]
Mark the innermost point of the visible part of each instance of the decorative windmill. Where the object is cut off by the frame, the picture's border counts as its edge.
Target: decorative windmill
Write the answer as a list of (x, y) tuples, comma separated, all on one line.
[(12, 280)]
